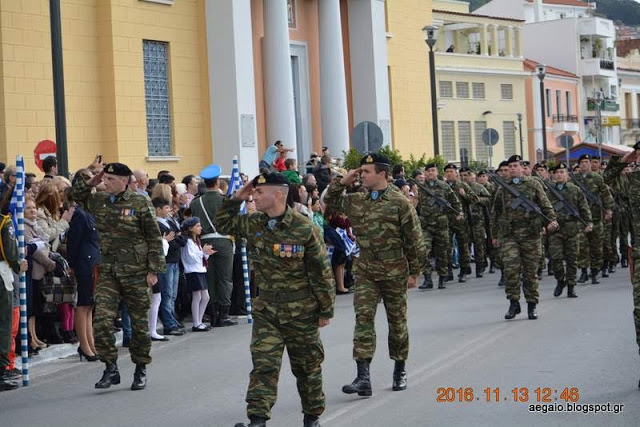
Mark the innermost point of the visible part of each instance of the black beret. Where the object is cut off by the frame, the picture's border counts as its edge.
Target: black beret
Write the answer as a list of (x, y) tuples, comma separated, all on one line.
[(514, 158), (541, 165), (119, 169), (526, 163), (271, 178), (430, 165), (595, 157), (482, 172), (560, 166), (190, 222), (465, 169), (503, 164), (636, 146), (375, 159), (450, 166), (604, 163), (400, 183), (584, 157)]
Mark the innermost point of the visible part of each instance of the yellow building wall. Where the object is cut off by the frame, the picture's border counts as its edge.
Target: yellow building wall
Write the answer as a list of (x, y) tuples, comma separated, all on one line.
[(409, 83), (104, 80)]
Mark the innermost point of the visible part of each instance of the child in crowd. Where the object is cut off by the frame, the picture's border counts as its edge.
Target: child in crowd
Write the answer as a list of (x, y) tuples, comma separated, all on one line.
[(318, 216), (194, 260), (291, 173)]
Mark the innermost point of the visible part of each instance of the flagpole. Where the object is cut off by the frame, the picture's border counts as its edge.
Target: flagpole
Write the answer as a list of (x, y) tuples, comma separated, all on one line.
[(236, 183), (23, 278)]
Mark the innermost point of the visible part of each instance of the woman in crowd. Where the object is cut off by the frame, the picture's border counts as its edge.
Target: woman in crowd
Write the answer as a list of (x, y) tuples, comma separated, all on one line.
[(83, 253)]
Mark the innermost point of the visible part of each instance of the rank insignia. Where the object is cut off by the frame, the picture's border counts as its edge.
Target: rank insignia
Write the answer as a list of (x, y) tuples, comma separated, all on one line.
[(261, 179)]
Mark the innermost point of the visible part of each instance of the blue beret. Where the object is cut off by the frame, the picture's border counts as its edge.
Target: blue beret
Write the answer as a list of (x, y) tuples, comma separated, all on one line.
[(210, 172)]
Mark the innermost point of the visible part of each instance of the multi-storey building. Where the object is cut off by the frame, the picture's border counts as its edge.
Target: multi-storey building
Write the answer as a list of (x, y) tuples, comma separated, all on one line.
[(629, 73)]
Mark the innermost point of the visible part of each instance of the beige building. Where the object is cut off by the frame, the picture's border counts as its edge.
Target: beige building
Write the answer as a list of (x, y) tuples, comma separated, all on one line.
[(629, 73)]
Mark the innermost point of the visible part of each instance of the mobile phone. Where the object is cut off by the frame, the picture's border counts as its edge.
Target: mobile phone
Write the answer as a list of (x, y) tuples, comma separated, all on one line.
[(99, 158)]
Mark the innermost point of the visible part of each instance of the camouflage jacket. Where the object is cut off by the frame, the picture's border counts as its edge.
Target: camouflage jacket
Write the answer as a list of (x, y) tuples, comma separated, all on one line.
[(573, 195), (484, 199), (289, 258), (506, 220), (614, 170), (595, 183), (620, 190), (430, 213), (387, 230), (130, 239)]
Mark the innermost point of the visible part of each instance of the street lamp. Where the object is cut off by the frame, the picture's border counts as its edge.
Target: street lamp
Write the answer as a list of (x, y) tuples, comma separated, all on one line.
[(520, 129), (599, 122), (541, 69), (429, 33)]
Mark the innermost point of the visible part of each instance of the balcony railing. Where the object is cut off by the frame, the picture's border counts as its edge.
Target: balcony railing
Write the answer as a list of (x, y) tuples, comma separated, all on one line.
[(561, 118), (631, 123), (605, 64)]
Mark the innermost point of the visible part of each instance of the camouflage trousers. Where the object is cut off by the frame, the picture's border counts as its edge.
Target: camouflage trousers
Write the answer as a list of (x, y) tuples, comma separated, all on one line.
[(636, 292), (521, 256), (461, 233), (479, 240), (394, 297), (563, 248), (437, 240), (544, 249), (609, 250), (135, 293), (622, 228), (301, 337), (590, 253)]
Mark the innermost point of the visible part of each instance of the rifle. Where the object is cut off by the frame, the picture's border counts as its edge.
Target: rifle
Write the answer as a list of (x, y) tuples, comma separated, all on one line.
[(592, 199), (520, 201), (563, 204), (434, 199)]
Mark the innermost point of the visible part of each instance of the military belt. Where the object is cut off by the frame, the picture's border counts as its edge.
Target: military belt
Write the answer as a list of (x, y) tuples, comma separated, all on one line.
[(284, 296), (382, 255)]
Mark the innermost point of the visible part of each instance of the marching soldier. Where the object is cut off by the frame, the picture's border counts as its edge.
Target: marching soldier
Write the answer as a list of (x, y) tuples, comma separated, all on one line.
[(609, 254), (572, 212), (483, 179), (477, 223), (517, 232), (541, 172), (436, 202), (614, 170), (601, 204), (296, 295), (503, 173), (132, 257), (460, 229), (392, 256)]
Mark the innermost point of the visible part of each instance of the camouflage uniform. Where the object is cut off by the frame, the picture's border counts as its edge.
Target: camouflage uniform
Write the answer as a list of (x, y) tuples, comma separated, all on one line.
[(591, 247), (435, 224), (494, 252), (621, 222), (294, 276), (519, 237), (614, 169), (460, 229), (391, 249), (564, 242), (478, 230), (609, 251), (131, 247)]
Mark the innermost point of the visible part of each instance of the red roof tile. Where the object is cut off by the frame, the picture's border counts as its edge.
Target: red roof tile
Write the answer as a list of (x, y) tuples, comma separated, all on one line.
[(530, 65), (625, 47)]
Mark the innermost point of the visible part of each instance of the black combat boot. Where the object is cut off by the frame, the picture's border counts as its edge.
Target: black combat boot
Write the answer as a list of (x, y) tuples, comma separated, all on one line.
[(450, 275), (214, 314), (514, 308), (428, 282), (539, 274), (612, 267), (5, 382), (311, 421), (605, 268), (223, 317), (362, 383), (531, 311), (559, 288), (110, 376), (479, 272), (399, 376), (254, 422), (492, 268), (584, 276), (501, 282), (462, 277), (623, 261), (549, 269), (594, 276), (139, 377), (441, 280), (571, 293)]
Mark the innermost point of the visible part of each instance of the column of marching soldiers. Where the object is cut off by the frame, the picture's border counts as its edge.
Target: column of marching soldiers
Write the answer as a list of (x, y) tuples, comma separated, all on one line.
[(523, 220)]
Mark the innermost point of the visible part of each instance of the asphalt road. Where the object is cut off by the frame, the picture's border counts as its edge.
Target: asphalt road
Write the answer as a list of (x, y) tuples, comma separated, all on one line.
[(460, 342)]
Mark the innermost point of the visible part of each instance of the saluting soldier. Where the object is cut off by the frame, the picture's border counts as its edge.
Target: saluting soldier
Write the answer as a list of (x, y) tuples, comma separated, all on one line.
[(503, 173), (132, 257), (597, 192), (564, 241), (518, 234), (477, 221), (392, 256), (460, 228), (296, 296), (434, 218), (615, 168)]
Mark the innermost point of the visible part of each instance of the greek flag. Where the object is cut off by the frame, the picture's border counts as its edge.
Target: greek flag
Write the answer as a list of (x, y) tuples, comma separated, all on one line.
[(236, 182), (18, 190)]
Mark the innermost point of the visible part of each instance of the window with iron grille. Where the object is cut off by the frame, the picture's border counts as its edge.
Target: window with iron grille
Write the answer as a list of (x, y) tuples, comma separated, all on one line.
[(462, 90), (464, 138), (506, 91), (568, 102), (156, 91), (446, 89), (482, 151), (448, 139), (477, 90), (509, 137)]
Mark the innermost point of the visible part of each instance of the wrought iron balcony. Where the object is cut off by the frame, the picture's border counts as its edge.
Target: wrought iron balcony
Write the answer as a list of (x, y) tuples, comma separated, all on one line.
[(561, 118)]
